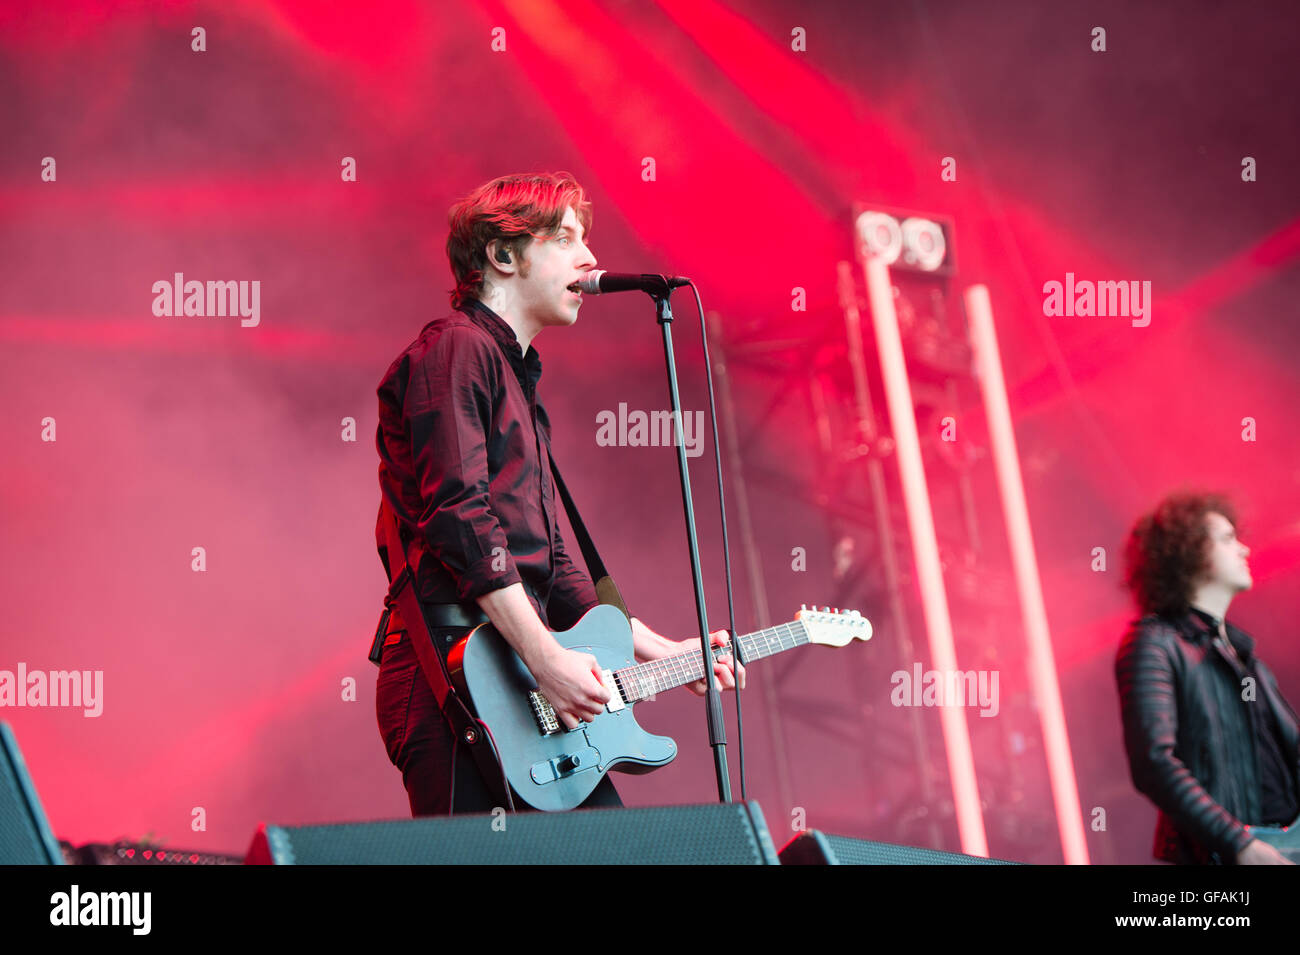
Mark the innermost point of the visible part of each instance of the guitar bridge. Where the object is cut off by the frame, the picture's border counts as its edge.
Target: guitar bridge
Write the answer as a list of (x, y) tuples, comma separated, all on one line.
[(543, 713)]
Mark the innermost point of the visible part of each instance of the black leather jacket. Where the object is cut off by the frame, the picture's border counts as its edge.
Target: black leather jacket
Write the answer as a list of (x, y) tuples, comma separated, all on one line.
[(1191, 745)]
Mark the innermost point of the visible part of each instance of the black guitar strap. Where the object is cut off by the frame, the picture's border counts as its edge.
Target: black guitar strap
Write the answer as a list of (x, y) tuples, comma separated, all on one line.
[(606, 589)]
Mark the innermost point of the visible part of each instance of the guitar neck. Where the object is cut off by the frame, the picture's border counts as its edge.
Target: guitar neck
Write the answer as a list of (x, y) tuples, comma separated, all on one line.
[(644, 680)]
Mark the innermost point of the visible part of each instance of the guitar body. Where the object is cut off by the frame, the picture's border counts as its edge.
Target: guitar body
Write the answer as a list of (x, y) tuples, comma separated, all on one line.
[(1285, 839), (556, 770)]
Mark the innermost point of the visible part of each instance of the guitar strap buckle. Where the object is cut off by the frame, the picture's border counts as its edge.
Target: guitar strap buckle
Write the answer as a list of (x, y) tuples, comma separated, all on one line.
[(381, 633)]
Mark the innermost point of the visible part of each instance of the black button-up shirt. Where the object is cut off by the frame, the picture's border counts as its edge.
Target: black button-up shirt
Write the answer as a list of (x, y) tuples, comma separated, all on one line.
[(464, 450), (1277, 782)]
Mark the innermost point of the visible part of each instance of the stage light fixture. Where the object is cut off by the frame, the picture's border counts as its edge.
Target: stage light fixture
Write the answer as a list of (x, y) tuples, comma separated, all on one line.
[(910, 240), (923, 244), (880, 236)]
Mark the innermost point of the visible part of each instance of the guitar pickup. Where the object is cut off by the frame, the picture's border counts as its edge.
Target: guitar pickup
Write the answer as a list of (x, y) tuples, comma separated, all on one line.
[(615, 696), (549, 770)]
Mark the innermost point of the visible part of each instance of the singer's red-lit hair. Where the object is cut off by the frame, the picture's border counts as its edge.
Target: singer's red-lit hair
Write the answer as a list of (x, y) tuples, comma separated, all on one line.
[(515, 209)]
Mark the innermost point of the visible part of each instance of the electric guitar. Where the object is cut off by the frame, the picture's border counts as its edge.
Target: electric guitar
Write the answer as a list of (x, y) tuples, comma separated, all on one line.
[(1285, 839), (552, 768)]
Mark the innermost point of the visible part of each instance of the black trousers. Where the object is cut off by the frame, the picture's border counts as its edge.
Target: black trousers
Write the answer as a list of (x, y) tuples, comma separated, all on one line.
[(419, 741)]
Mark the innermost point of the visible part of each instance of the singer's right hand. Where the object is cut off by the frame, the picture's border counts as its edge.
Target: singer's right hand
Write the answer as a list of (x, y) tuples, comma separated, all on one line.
[(1261, 853), (569, 680)]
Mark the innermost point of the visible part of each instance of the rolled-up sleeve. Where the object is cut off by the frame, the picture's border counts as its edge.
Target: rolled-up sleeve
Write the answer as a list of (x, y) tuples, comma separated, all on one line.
[(448, 409)]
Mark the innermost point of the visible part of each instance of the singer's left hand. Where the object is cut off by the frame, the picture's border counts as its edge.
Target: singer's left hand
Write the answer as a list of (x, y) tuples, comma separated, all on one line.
[(651, 645), (726, 671)]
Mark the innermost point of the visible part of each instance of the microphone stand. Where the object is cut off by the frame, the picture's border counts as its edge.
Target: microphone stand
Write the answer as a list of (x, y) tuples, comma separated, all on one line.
[(713, 704)]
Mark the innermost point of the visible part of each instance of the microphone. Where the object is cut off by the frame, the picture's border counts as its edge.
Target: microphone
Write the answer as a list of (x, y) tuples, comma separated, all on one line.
[(598, 282)]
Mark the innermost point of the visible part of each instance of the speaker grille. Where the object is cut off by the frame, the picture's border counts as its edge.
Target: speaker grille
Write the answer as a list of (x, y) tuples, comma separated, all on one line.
[(25, 838), (817, 848), (732, 833)]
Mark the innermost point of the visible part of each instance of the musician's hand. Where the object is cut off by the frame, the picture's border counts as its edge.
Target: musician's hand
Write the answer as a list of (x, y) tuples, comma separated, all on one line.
[(725, 668), (1261, 853), (570, 681), (651, 645)]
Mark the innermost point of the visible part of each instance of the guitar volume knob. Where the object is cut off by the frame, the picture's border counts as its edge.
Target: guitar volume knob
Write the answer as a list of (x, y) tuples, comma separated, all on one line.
[(569, 763)]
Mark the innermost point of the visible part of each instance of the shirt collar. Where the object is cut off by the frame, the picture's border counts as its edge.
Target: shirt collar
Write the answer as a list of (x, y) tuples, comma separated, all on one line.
[(527, 367), (1210, 621), (1208, 624)]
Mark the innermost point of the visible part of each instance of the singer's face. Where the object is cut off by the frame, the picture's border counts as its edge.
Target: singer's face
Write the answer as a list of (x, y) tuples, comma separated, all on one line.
[(554, 263), (1226, 557)]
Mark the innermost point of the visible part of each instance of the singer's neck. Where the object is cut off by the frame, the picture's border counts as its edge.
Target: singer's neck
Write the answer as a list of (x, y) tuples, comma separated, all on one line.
[(500, 303)]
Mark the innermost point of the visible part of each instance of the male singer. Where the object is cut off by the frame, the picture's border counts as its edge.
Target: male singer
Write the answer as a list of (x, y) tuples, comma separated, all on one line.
[(463, 442)]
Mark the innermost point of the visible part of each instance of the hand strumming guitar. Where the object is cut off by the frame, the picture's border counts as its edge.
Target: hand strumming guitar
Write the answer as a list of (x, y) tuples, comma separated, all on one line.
[(570, 682)]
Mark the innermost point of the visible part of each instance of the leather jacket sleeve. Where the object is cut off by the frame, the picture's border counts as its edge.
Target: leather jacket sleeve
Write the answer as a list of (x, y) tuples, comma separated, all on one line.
[(1145, 674)]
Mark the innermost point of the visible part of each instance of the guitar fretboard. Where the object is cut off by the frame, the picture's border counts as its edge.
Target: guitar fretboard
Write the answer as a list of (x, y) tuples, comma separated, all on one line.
[(644, 680)]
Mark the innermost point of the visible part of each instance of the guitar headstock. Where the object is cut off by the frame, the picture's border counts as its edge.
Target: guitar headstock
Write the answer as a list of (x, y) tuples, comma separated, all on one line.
[(833, 628)]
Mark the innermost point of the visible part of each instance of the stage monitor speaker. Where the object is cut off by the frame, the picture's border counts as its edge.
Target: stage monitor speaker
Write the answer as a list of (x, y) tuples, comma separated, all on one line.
[(25, 837), (817, 848), (713, 834)]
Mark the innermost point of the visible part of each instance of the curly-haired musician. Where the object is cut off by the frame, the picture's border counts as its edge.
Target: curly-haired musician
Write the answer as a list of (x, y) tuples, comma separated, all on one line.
[(1210, 738)]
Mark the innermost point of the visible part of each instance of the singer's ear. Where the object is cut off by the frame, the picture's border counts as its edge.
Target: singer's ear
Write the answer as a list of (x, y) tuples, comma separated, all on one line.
[(500, 257)]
